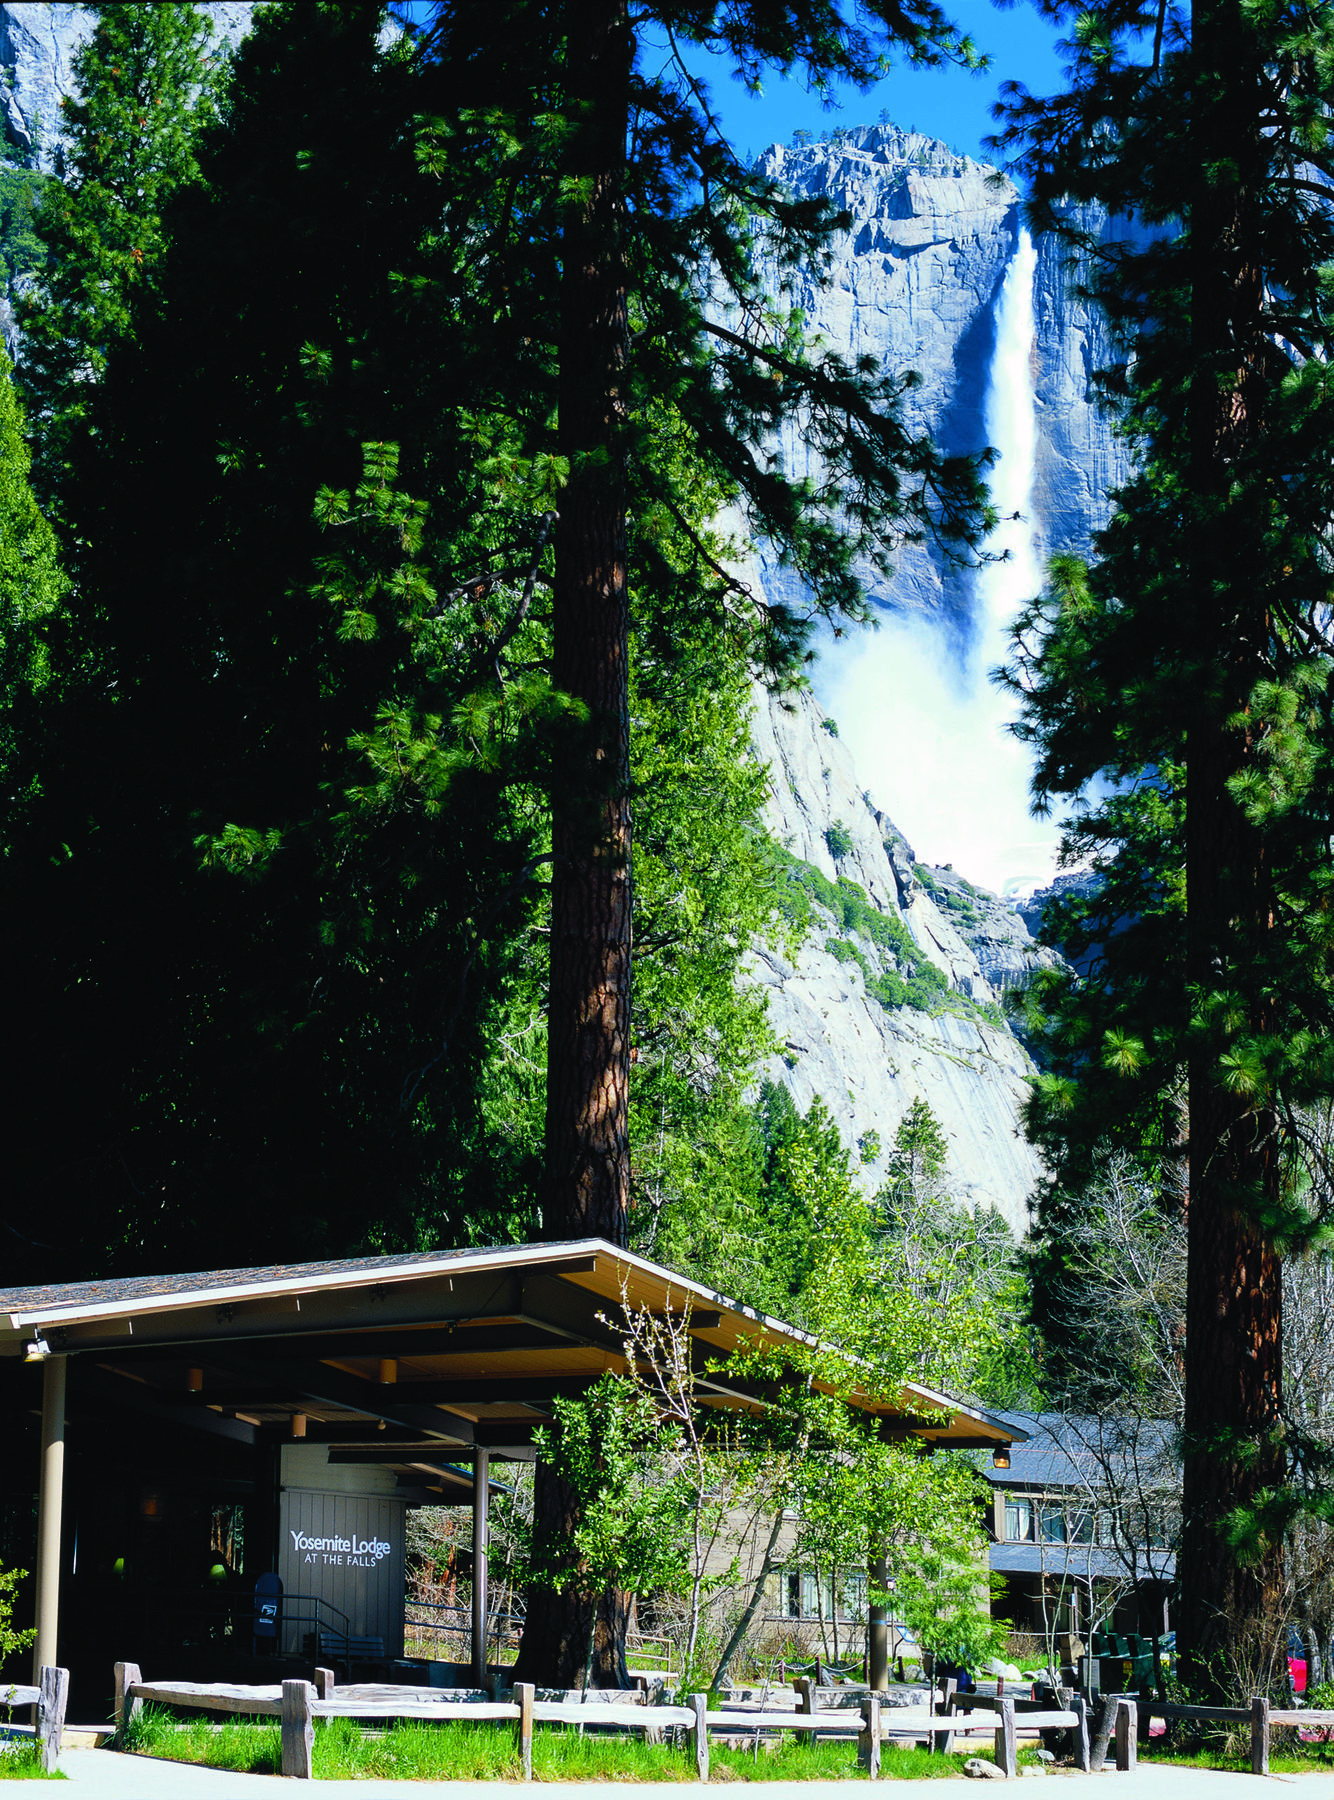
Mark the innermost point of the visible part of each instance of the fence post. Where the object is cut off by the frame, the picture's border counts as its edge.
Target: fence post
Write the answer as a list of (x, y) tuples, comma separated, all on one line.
[(941, 1742), (1260, 1734), (1007, 1748), (54, 1684), (127, 1676), (1103, 1737), (1127, 1733), (868, 1744), (524, 1694), (699, 1735), (1079, 1706), (325, 1683), (805, 1694), (298, 1729)]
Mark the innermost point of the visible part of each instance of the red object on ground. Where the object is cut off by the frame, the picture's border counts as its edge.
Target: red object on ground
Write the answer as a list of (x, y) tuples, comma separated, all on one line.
[(1297, 1673)]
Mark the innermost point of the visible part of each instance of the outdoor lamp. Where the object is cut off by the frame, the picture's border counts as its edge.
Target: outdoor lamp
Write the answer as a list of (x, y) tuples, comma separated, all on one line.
[(37, 1351), (1000, 1459)]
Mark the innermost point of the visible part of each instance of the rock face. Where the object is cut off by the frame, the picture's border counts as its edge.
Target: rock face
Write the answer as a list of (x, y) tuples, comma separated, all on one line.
[(867, 1059), (914, 283), (37, 46)]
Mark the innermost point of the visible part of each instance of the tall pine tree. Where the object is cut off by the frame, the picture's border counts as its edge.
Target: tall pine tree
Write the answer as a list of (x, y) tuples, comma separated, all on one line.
[(143, 81), (1181, 686)]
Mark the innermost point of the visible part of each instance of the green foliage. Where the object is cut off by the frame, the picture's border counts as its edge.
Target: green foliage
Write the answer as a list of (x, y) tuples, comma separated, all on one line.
[(910, 979), (345, 424), (1178, 690), (142, 84), (839, 840), (32, 583), (21, 249), (10, 1638), (945, 1601), (829, 725), (630, 1504), (920, 1151)]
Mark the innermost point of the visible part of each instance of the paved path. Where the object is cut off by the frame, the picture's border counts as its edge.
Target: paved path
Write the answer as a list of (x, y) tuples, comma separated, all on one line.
[(105, 1775)]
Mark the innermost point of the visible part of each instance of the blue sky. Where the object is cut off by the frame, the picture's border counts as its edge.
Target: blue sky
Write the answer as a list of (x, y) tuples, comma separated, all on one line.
[(946, 103)]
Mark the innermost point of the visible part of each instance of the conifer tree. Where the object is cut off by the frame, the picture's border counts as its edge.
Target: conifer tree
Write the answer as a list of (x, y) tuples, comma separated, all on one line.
[(646, 226), (627, 234), (143, 81), (1186, 673), (32, 585)]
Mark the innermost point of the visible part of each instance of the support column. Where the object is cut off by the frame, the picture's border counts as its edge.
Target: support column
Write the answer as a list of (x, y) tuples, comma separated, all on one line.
[(877, 1628), (481, 1490), (50, 1496)]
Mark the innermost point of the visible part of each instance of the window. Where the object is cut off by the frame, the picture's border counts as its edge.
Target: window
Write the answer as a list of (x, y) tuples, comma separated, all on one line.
[(854, 1597), (1081, 1525), (1051, 1525), (1018, 1520)]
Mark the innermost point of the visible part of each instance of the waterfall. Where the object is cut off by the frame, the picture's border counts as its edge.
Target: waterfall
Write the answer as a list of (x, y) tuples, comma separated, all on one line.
[(925, 725)]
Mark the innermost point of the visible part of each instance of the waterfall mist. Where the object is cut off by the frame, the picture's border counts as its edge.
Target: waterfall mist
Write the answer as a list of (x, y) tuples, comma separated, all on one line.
[(925, 724)]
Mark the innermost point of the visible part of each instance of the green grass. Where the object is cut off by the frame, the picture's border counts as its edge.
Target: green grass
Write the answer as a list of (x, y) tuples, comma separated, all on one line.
[(801, 1760), (419, 1750), (25, 1764), (1310, 1759), (250, 1748)]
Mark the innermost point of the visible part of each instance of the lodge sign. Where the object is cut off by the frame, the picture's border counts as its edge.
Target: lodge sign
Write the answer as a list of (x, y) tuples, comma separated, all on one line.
[(352, 1552)]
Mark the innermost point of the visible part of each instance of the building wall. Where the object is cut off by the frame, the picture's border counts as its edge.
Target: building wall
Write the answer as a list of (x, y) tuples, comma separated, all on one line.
[(341, 1540)]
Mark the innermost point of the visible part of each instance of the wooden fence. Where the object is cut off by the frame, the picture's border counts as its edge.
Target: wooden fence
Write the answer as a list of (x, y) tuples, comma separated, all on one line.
[(1260, 1715), (49, 1697), (297, 1704)]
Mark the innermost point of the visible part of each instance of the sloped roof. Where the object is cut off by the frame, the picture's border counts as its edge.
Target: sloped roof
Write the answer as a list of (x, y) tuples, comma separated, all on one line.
[(1078, 1561), (1076, 1451), (454, 1344)]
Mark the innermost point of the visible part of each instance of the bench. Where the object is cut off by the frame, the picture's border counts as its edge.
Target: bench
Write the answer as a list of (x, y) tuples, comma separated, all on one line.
[(344, 1647)]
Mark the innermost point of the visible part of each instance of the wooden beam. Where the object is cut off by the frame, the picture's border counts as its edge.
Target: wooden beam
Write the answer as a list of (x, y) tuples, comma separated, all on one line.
[(290, 1383)]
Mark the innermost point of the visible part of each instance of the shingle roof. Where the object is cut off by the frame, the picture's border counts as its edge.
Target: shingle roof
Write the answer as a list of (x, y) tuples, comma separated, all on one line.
[(1077, 1560), (1073, 1451), (143, 1287)]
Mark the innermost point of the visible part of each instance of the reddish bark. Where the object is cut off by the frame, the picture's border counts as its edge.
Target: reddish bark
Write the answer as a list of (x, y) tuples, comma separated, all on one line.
[(1234, 1348), (587, 1176), (588, 1019)]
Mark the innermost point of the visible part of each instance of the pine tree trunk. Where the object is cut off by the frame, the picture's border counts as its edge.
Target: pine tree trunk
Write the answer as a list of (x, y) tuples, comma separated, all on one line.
[(587, 1177), (556, 1626), (1234, 1342), (588, 1018), (610, 1669)]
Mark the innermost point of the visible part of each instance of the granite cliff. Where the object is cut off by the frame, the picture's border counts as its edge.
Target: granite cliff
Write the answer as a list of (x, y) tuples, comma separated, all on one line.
[(896, 992), (915, 283)]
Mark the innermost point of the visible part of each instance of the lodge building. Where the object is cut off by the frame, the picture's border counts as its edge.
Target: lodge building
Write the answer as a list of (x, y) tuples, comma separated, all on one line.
[(207, 1470)]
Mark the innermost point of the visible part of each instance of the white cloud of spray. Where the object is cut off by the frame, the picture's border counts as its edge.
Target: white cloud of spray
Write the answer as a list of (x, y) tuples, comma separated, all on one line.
[(926, 726)]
